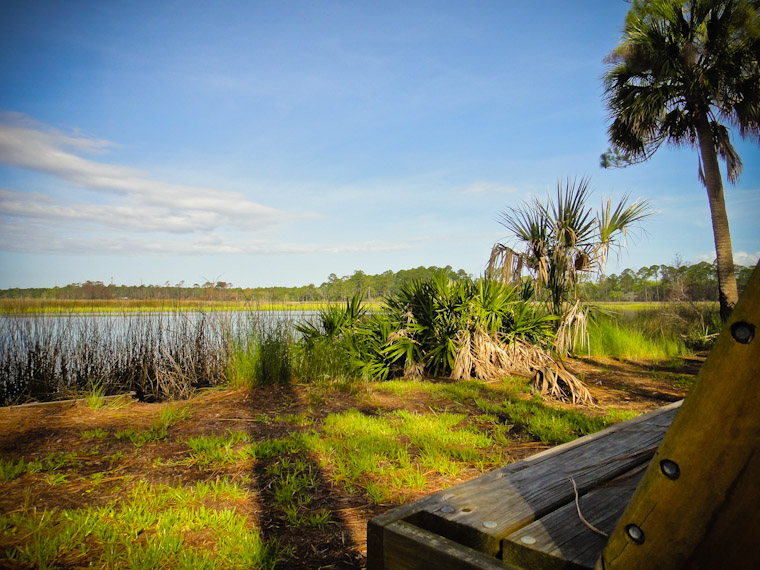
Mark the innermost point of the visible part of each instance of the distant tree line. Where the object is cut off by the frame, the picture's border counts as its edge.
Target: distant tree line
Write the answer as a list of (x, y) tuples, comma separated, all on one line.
[(334, 289), (680, 282)]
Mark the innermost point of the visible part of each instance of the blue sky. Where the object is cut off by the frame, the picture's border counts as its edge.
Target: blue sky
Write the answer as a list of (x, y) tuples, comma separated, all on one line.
[(275, 143)]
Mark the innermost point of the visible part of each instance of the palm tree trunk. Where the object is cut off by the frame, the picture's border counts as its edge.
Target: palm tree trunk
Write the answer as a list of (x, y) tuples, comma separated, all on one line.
[(728, 294)]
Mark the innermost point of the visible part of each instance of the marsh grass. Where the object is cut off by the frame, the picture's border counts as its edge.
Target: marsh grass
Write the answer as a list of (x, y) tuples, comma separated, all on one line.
[(157, 356), (262, 349), (627, 340), (132, 306)]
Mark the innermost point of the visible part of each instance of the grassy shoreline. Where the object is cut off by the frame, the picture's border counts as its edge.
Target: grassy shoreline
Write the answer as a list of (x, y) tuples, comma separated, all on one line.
[(132, 306)]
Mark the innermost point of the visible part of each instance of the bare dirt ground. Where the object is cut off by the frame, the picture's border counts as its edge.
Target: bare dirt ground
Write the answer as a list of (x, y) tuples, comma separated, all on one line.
[(38, 431)]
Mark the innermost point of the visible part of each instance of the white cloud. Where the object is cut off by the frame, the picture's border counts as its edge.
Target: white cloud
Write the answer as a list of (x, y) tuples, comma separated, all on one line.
[(740, 258), (42, 241), (138, 201)]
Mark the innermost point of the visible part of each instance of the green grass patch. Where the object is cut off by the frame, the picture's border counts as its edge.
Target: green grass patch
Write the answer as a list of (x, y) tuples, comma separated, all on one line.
[(168, 417), (215, 450), (619, 416), (11, 469), (149, 529), (393, 454), (543, 422), (97, 433)]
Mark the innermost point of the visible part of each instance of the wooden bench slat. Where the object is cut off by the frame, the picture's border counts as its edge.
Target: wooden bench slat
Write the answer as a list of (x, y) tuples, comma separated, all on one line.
[(560, 540), (408, 547)]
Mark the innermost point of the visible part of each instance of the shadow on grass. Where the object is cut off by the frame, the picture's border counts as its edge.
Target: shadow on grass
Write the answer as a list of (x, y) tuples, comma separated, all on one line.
[(298, 505)]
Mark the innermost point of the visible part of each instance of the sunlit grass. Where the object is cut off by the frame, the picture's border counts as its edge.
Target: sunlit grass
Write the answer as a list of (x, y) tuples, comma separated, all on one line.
[(394, 454), (131, 306), (609, 338), (543, 422), (147, 530)]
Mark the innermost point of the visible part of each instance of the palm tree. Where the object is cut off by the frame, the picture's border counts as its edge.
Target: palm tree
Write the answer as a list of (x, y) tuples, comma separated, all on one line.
[(682, 72), (561, 239)]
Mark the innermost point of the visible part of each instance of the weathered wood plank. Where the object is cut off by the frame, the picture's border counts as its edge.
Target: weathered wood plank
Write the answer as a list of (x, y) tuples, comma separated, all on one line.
[(698, 498), (512, 496), (560, 540), (408, 547)]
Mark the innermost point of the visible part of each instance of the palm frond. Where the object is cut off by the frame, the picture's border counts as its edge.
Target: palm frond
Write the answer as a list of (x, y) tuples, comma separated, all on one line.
[(615, 224)]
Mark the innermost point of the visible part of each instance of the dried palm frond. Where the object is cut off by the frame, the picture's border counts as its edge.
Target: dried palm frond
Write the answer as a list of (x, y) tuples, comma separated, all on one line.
[(487, 355), (463, 363), (504, 264), (413, 369), (572, 330), (556, 382)]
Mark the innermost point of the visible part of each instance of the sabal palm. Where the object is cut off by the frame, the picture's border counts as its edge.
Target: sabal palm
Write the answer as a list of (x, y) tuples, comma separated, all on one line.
[(682, 72), (562, 238)]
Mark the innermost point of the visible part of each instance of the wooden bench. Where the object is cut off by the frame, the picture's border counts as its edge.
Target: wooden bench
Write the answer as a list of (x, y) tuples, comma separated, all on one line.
[(676, 488)]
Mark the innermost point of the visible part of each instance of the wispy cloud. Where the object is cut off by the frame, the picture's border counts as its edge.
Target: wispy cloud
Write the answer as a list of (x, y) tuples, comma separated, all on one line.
[(131, 213), (138, 201), (747, 259), (42, 241)]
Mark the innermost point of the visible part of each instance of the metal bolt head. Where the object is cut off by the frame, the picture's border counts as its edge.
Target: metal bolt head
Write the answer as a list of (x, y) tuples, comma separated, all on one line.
[(447, 509), (635, 533), (490, 524), (743, 332), (670, 469)]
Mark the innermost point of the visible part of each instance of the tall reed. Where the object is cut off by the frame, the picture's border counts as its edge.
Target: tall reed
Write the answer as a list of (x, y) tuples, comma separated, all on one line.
[(629, 341), (262, 349), (158, 355)]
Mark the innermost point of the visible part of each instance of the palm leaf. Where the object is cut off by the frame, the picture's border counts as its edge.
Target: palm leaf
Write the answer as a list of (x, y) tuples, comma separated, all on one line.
[(616, 223)]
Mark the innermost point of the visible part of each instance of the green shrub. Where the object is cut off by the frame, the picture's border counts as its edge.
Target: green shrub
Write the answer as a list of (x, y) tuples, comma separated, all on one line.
[(425, 327)]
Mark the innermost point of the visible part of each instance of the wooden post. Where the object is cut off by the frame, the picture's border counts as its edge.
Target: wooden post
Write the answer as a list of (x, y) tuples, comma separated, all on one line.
[(698, 505)]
